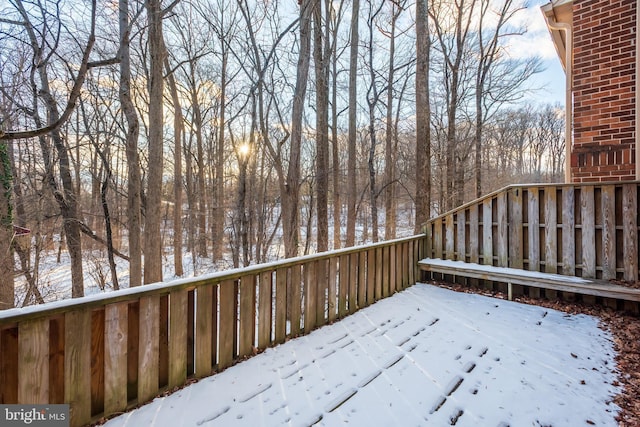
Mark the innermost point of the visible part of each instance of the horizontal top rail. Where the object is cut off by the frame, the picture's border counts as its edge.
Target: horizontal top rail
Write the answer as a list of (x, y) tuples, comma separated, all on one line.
[(525, 186), (98, 300)]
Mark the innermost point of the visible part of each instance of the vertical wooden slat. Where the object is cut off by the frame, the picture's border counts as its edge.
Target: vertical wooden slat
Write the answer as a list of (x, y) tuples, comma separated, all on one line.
[(413, 263), (503, 236), (246, 334), (406, 261), (115, 357), (227, 323), (215, 325), (428, 244), (322, 271), (474, 235), (97, 361), (310, 292), (353, 282), (362, 280), (296, 299), (461, 243), (386, 267), (191, 326), (371, 276), (587, 217), (534, 229), (608, 232), (133, 343), (56, 360), (343, 286), (378, 289), (449, 237), (630, 231), (33, 362), (77, 365), (487, 231), (149, 355), (568, 232), (264, 308), (9, 365), (332, 300), (163, 341), (177, 338), (437, 238), (281, 305), (204, 332), (551, 230), (515, 229), (393, 269)]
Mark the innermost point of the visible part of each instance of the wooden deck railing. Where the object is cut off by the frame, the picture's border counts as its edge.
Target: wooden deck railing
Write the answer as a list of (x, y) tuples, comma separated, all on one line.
[(105, 353), (585, 230)]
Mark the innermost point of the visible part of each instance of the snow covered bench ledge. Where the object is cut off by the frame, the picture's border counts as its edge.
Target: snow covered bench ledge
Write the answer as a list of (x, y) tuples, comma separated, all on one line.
[(515, 276)]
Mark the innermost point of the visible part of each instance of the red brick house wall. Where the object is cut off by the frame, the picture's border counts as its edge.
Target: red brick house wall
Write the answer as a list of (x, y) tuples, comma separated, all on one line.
[(604, 68)]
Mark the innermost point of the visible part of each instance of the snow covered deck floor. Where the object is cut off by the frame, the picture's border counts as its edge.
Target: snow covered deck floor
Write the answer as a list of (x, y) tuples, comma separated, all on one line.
[(426, 356)]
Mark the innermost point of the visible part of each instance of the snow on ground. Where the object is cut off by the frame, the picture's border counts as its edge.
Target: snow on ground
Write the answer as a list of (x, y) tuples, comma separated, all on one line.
[(426, 356)]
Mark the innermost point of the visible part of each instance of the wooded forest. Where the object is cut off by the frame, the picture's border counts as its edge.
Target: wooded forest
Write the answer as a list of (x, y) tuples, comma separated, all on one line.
[(242, 131)]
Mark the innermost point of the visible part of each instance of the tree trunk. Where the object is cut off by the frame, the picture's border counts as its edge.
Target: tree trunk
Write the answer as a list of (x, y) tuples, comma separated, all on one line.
[(423, 113), (178, 130), (152, 237), (322, 128), (291, 190), (352, 190), (134, 183)]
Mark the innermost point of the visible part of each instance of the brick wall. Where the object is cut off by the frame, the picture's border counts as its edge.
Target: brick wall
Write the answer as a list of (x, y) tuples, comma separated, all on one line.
[(604, 90)]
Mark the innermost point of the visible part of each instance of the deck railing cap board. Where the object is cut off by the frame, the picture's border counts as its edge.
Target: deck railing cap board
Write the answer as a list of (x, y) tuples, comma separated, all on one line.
[(526, 186), (15, 315)]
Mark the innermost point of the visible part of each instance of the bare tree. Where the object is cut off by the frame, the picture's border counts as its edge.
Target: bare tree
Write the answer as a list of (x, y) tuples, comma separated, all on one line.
[(423, 113)]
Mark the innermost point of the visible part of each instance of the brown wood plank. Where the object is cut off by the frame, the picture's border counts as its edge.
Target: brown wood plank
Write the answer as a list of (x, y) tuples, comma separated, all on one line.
[(516, 254), (386, 264), (353, 282), (630, 231), (332, 301), (163, 341), (264, 309), (177, 338), (322, 271), (77, 365), (428, 244), (487, 231), (437, 237), (379, 280), (392, 262), (474, 234), (191, 330), (9, 365), (296, 299), (97, 361), (149, 348), (281, 304), (503, 236), (449, 241), (115, 357), (343, 286), (533, 230), (413, 263), (461, 228), (228, 323), (568, 231), (371, 276), (551, 230), (56, 361), (215, 325), (406, 263), (310, 292), (587, 219), (608, 232), (133, 342), (362, 279), (247, 316), (204, 330), (33, 361)]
